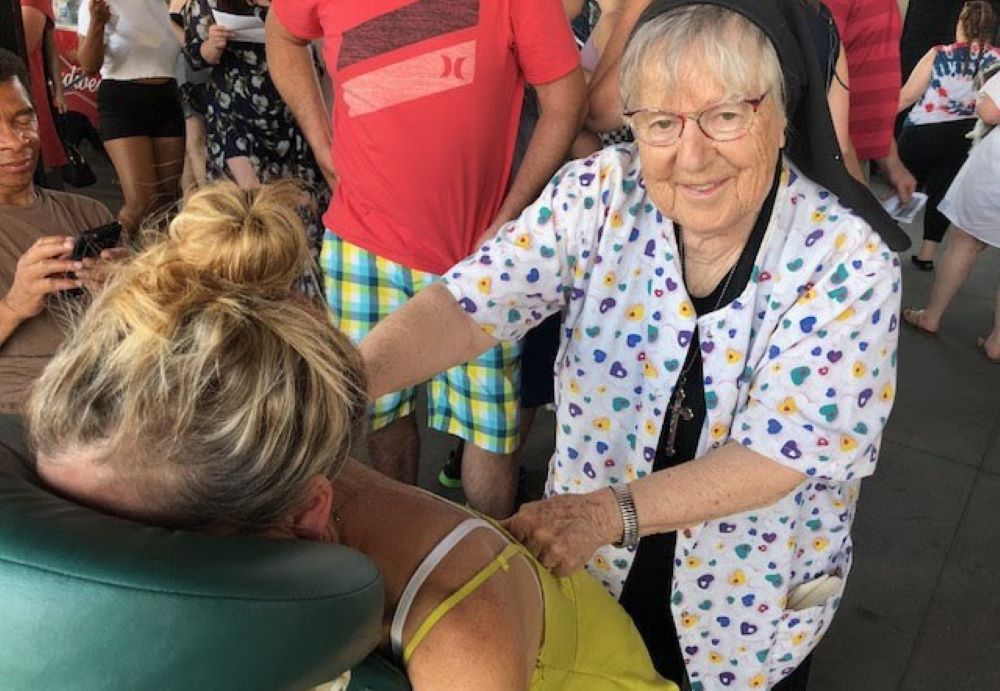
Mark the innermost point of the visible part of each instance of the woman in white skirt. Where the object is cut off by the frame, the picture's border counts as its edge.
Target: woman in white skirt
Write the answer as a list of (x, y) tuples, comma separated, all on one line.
[(972, 204)]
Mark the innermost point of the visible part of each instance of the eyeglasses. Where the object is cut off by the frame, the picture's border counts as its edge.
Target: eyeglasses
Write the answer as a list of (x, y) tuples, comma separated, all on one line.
[(722, 123)]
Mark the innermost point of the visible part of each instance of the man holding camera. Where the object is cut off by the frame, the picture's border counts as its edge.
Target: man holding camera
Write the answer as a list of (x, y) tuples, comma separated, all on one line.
[(38, 228)]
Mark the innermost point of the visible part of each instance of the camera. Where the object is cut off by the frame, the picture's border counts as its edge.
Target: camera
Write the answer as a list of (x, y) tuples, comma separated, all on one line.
[(93, 241)]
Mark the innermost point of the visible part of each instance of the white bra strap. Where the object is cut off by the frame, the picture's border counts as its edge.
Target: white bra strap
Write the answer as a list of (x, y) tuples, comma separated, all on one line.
[(429, 563)]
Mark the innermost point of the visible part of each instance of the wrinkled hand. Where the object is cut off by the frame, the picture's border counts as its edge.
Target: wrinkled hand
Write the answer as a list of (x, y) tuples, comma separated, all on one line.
[(94, 272), (564, 531), (215, 45), (40, 271), (100, 12)]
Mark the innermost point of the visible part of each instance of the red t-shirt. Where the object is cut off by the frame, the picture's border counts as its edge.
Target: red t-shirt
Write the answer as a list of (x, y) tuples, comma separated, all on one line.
[(427, 101), (870, 31)]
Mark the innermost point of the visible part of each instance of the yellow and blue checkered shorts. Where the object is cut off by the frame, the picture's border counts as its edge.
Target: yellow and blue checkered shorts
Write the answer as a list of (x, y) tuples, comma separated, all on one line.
[(477, 401)]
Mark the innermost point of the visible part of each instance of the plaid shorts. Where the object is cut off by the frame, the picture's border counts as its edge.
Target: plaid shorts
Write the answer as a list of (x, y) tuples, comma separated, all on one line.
[(477, 401)]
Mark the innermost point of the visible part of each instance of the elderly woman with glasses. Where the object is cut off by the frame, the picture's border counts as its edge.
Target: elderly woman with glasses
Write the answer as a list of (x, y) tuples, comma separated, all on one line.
[(729, 299)]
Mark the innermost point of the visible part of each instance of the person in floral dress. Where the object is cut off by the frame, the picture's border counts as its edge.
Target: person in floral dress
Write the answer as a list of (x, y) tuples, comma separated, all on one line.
[(252, 135), (729, 298)]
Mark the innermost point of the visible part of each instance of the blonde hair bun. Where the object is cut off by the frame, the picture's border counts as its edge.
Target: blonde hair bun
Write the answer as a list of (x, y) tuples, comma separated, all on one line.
[(250, 239), (201, 377)]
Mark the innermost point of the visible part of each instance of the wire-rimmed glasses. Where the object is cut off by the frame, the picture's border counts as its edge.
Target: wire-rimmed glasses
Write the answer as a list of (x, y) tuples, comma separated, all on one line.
[(722, 123)]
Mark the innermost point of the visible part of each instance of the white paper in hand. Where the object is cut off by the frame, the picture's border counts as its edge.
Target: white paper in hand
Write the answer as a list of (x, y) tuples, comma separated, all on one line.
[(905, 213), (249, 29)]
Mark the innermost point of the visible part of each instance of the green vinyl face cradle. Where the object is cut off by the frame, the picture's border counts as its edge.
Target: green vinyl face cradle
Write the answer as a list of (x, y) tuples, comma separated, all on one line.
[(92, 602)]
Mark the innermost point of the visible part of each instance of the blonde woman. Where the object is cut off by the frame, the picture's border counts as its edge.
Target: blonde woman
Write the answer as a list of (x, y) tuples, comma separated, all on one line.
[(199, 392)]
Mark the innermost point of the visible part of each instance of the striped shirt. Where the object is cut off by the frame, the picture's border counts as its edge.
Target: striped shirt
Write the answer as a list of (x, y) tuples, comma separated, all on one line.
[(870, 31)]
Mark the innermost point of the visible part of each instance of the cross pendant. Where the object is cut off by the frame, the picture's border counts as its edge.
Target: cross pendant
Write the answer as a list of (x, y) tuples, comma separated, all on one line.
[(678, 412)]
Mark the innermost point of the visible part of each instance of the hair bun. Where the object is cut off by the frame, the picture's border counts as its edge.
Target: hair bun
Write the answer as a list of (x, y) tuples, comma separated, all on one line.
[(251, 239)]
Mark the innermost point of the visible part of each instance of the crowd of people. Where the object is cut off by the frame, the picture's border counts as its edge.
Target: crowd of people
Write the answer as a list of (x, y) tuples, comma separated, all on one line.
[(653, 214)]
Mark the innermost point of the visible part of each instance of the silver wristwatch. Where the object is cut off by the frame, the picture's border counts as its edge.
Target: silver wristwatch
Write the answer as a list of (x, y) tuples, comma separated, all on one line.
[(630, 518)]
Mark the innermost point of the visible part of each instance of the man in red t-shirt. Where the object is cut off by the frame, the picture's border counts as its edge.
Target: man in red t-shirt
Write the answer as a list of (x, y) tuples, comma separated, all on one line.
[(427, 98)]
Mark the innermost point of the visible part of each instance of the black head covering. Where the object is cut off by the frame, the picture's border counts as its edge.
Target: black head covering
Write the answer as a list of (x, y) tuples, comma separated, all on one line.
[(812, 145)]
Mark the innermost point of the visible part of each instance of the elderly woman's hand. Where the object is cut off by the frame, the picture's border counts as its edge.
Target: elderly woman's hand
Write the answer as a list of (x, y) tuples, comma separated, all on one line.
[(564, 531)]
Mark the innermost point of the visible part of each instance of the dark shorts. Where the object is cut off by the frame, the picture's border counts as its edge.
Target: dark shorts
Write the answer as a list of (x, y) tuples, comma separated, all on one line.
[(538, 360), (134, 109)]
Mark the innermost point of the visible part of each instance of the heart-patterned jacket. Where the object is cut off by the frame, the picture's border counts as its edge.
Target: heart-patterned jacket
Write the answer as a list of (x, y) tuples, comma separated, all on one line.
[(800, 368)]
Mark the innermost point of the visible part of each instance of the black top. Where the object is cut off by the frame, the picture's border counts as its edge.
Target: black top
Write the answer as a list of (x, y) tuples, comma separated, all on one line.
[(646, 595)]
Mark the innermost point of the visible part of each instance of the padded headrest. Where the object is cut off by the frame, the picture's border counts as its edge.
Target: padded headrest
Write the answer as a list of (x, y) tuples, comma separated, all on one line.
[(88, 601)]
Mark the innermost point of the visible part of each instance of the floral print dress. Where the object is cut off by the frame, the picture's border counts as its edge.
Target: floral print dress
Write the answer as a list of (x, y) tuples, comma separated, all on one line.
[(246, 116), (800, 368)]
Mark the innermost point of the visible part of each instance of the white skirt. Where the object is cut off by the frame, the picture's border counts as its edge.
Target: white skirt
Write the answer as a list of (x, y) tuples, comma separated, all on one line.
[(972, 202)]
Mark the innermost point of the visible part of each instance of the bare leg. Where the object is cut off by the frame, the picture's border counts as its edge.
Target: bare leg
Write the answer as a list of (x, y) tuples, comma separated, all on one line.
[(927, 250), (169, 154), (489, 481), (992, 343), (526, 419), (134, 164), (394, 450), (197, 149), (243, 172), (188, 184), (959, 257)]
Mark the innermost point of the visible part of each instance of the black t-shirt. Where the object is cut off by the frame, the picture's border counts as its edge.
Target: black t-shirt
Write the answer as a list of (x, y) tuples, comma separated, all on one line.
[(646, 595)]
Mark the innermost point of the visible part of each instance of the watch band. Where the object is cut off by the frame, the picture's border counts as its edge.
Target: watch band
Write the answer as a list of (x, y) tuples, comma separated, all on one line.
[(630, 518)]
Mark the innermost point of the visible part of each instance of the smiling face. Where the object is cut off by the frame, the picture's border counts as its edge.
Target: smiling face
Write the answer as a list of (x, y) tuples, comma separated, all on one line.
[(686, 61), (19, 143), (710, 187)]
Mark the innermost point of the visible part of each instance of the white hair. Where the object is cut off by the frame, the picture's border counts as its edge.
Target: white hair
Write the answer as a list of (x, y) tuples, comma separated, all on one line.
[(698, 41)]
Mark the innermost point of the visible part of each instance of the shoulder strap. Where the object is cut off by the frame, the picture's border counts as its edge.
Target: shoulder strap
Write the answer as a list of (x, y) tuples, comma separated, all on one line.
[(428, 565), (501, 561)]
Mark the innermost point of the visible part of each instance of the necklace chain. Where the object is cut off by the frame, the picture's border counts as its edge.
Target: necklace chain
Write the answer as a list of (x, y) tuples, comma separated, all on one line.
[(718, 303), (678, 411)]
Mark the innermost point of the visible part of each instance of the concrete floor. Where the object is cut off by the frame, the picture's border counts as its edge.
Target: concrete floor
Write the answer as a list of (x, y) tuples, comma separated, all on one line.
[(922, 608)]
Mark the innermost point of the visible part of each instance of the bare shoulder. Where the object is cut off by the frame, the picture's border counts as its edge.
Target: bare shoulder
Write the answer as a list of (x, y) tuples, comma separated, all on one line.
[(477, 646)]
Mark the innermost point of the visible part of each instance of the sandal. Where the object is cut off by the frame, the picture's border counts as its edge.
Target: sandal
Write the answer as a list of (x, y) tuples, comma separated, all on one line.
[(922, 264), (981, 347), (912, 317)]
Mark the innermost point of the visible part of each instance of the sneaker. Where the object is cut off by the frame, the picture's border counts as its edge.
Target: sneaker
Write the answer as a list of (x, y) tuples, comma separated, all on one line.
[(451, 473)]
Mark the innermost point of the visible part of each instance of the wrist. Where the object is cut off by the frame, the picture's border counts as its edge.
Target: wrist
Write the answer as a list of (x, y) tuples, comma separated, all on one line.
[(609, 517), (8, 313), (629, 516), (626, 521), (209, 54)]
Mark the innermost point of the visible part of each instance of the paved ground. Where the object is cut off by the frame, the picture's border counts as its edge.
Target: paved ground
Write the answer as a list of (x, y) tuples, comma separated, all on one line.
[(922, 608)]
